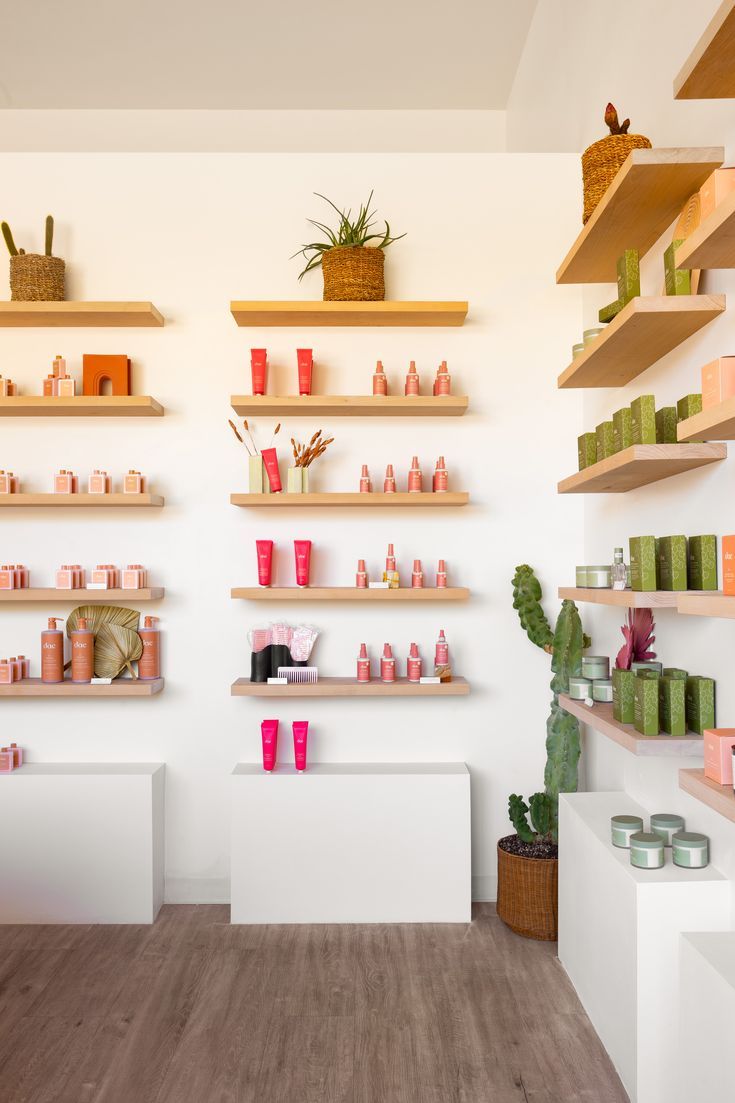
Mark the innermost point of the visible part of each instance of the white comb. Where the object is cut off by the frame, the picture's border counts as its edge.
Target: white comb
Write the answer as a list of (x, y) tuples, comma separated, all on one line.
[(299, 674)]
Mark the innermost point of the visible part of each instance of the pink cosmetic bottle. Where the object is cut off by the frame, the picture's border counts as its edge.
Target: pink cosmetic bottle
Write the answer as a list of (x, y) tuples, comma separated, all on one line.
[(380, 383), (387, 664), (415, 666), (363, 665), (300, 733), (441, 655), (269, 734), (389, 486), (441, 575), (17, 753), (417, 575), (361, 578), (6, 761), (412, 380), (443, 384), (366, 485), (440, 482), (415, 478), (6, 673)]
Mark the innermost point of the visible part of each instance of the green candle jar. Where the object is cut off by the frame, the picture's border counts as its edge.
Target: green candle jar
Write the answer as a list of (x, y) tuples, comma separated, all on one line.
[(599, 576), (666, 824), (690, 850), (646, 850), (622, 828), (595, 666), (580, 689), (602, 690), (577, 349)]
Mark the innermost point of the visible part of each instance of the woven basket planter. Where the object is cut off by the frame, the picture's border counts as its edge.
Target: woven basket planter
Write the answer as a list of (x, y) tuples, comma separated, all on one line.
[(353, 273), (601, 163), (36, 278), (528, 896)]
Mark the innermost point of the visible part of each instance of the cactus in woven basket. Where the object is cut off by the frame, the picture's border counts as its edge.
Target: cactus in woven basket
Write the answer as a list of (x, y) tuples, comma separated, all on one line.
[(48, 235), (540, 828)]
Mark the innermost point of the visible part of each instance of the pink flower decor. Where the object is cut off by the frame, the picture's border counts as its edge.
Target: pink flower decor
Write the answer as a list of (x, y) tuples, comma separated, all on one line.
[(639, 638)]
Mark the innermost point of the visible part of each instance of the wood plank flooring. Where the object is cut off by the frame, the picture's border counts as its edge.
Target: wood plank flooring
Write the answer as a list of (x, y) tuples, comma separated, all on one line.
[(192, 1010)]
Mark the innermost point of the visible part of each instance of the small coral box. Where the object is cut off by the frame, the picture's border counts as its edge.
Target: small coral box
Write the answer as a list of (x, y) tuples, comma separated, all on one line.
[(728, 565), (718, 745), (718, 381)]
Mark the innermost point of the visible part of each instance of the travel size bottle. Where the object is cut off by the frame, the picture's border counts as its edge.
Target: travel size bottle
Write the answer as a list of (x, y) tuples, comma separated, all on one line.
[(412, 380), (619, 571), (380, 383), (363, 665)]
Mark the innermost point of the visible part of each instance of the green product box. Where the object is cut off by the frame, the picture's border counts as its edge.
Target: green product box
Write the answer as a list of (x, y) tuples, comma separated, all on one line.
[(587, 450), (688, 406), (666, 421), (643, 419), (702, 562), (629, 276), (678, 280), (643, 572), (604, 440), (607, 313), (672, 705), (672, 563), (622, 429), (700, 703), (646, 703), (623, 696), (675, 672)]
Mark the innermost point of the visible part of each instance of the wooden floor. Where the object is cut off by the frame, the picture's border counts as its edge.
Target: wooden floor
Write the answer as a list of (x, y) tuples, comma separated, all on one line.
[(192, 1010)]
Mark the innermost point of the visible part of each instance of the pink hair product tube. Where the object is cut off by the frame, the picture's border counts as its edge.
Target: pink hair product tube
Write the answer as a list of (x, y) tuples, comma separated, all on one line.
[(441, 575), (363, 665), (302, 553), (415, 666), (264, 549), (300, 733), (389, 486), (387, 664), (269, 733), (415, 478), (270, 459), (305, 363), (361, 578), (366, 485), (417, 575), (259, 369)]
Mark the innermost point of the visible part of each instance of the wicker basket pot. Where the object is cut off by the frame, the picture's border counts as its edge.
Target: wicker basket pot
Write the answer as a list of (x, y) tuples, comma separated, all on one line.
[(36, 278), (601, 163), (353, 273), (527, 895)]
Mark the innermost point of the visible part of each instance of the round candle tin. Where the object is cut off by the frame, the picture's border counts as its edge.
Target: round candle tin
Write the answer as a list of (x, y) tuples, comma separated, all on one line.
[(581, 576), (690, 849), (595, 666), (622, 827), (599, 576), (666, 824), (589, 335), (580, 689), (577, 349), (602, 690), (646, 850)]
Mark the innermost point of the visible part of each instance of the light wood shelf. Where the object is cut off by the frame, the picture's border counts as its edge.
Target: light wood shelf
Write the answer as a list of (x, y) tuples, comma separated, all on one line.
[(350, 687), (709, 71), (719, 797), (640, 465), (600, 717), (716, 423), (91, 500), (646, 196), (349, 593), (120, 687), (629, 599), (78, 314), (81, 596), (81, 406), (319, 313), (712, 244), (364, 501), (644, 331), (344, 405), (697, 603)]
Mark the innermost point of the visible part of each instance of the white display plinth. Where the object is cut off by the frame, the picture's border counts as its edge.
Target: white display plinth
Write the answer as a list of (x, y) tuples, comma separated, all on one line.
[(619, 931), (351, 843), (82, 843), (707, 1014)]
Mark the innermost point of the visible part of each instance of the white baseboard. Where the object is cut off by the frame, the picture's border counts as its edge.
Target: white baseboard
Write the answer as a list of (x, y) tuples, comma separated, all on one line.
[(485, 889), (197, 890)]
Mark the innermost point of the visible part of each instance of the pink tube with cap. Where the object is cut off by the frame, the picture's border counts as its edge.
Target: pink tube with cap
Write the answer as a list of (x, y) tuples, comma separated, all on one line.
[(259, 369), (305, 361), (264, 549), (269, 733), (302, 552), (270, 459), (300, 733)]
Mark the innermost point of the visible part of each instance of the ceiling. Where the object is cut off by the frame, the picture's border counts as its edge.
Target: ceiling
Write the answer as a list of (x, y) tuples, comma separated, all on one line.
[(282, 54)]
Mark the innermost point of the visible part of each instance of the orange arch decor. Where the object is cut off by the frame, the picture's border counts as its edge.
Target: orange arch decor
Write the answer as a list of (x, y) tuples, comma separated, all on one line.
[(97, 369)]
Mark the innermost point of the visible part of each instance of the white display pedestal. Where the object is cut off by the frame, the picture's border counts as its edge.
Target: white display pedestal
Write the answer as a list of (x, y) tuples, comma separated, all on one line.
[(707, 1014), (619, 931), (82, 843), (351, 843)]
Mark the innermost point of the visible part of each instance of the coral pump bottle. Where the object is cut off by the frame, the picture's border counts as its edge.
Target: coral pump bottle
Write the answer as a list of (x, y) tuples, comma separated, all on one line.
[(82, 652), (52, 653), (149, 664)]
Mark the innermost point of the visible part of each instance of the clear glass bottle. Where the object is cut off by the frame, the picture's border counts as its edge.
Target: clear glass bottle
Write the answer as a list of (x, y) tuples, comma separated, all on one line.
[(619, 571)]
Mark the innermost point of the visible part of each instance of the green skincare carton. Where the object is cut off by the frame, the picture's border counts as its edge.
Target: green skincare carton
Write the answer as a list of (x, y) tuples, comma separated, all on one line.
[(623, 696), (672, 705), (688, 406), (702, 562), (666, 421), (678, 280), (646, 703), (700, 703), (587, 450), (629, 276), (672, 563), (643, 570), (675, 672), (651, 666), (607, 313), (604, 437), (643, 419), (622, 429)]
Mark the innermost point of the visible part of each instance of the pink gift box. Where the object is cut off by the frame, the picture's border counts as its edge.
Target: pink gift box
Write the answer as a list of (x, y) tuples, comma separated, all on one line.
[(718, 745)]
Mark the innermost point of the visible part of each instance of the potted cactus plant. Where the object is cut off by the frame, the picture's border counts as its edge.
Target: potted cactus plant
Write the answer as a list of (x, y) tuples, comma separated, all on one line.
[(527, 859), (35, 277)]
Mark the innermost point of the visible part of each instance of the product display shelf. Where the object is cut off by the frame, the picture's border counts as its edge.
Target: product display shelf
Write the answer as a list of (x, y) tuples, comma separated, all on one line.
[(81, 596), (347, 593), (600, 717), (640, 465), (631, 599), (79, 314), (709, 71), (364, 501), (719, 797), (346, 405), (645, 330), (712, 244), (89, 500), (350, 687), (81, 406), (715, 423), (120, 687), (709, 603), (320, 313), (646, 196)]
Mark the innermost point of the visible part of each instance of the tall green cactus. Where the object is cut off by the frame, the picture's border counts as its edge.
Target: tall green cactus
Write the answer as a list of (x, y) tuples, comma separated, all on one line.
[(8, 235), (49, 234), (527, 602)]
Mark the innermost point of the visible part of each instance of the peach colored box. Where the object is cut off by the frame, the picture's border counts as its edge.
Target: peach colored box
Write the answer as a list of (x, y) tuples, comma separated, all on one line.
[(714, 190), (718, 381), (718, 745), (728, 565)]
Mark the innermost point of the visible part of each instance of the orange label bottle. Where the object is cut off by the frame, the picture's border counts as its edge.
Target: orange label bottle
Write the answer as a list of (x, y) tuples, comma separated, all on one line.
[(52, 653), (82, 652), (149, 663)]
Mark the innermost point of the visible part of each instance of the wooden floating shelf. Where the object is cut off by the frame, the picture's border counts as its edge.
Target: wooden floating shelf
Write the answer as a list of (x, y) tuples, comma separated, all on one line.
[(366, 501), (81, 596), (350, 687), (77, 314), (646, 196), (644, 331), (640, 465), (719, 797), (630, 599), (317, 313), (716, 423), (91, 500), (121, 687), (706, 604), (81, 406), (709, 71), (349, 593), (712, 244), (344, 405), (600, 717)]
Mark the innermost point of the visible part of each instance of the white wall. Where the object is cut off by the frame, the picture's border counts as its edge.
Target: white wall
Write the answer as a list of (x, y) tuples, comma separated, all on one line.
[(190, 232)]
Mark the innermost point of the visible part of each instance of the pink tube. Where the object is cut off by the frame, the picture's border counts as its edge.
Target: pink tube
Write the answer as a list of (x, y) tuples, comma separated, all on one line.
[(300, 732), (270, 459), (264, 549), (305, 361), (302, 552), (259, 369), (269, 733)]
